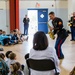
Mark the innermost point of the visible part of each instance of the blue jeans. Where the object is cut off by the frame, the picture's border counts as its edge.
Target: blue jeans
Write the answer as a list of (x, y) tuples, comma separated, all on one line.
[(58, 44), (72, 33), (25, 29)]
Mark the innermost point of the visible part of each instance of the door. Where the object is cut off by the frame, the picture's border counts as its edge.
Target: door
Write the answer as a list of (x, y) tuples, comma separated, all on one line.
[(42, 20), (33, 24)]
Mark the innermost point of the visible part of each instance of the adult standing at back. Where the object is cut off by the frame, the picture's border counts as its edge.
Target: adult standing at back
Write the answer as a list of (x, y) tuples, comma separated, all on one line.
[(26, 24), (72, 27)]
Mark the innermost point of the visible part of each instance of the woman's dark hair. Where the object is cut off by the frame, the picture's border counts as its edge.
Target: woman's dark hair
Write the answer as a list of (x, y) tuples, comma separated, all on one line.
[(40, 41), (8, 53)]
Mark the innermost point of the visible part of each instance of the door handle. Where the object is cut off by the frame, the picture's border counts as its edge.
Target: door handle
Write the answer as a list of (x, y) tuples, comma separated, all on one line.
[(42, 22)]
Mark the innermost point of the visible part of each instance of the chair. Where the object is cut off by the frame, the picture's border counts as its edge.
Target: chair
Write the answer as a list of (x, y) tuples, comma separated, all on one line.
[(41, 65)]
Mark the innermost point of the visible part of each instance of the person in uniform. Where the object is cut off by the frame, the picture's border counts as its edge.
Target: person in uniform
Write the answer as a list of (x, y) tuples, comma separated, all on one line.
[(61, 33), (72, 27), (26, 25)]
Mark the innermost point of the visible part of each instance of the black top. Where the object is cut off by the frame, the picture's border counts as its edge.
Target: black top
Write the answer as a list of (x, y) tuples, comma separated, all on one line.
[(72, 21), (57, 24), (58, 28), (26, 21)]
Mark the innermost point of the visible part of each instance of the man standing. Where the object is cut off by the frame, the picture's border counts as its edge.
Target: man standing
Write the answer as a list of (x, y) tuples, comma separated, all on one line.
[(72, 27), (26, 25), (61, 33)]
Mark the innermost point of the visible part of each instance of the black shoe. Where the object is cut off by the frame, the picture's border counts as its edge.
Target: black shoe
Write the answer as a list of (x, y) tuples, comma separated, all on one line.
[(72, 40), (61, 57), (1, 49)]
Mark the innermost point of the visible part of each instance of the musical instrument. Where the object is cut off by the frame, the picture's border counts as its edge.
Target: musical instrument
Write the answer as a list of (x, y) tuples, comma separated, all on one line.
[(70, 24), (51, 34)]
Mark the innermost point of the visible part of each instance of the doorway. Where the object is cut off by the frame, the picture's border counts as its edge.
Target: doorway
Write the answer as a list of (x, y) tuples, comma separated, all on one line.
[(33, 24), (38, 20)]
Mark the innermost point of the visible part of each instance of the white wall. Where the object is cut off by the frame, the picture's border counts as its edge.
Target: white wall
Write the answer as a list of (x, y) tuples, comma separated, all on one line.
[(4, 16), (7, 16), (2, 5), (70, 8), (43, 4), (73, 1)]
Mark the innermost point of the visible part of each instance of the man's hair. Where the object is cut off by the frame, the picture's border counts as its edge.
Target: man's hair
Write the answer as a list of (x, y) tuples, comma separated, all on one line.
[(12, 56), (51, 13)]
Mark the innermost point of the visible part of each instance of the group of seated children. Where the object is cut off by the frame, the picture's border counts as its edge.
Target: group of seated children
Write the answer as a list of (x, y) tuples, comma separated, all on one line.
[(14, 37), (9, 64)]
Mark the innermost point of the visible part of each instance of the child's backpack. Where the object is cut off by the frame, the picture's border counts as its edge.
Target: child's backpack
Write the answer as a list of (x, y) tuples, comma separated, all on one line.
[(3, 68)]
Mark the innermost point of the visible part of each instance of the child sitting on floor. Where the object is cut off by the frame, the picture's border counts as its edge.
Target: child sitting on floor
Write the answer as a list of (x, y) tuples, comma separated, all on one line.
[(15, 69)]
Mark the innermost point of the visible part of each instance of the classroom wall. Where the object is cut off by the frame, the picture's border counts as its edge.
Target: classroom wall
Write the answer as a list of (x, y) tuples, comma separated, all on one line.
[(73, 1), (4, 16), (59, 7), (7, 16)]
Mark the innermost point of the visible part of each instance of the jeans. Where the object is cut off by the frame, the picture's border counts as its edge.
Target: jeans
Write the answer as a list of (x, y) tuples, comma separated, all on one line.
[(72, 33), (25, 29)]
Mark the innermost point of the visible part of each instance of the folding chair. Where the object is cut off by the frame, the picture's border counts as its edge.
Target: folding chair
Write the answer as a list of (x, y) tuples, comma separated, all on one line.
[(41, 65)]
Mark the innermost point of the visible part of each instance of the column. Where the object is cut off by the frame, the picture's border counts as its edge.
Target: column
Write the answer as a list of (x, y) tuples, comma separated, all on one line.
[(14, 14)]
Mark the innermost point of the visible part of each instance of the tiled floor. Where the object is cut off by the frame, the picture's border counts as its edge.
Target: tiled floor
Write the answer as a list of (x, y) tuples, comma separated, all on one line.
[(66, 65)]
